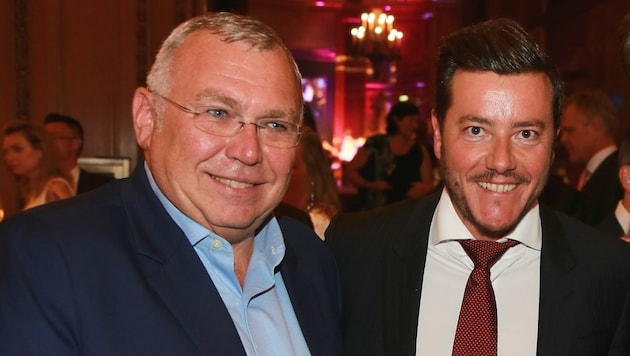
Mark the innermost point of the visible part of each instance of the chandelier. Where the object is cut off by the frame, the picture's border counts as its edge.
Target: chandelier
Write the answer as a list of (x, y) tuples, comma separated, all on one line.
[(376, 38)]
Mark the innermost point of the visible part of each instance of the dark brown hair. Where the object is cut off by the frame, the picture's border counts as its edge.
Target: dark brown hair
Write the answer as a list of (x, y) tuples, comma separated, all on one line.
[(501, 46)]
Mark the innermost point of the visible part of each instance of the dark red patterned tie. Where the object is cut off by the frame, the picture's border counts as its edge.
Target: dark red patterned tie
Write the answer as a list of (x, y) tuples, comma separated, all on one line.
[(476, 333)]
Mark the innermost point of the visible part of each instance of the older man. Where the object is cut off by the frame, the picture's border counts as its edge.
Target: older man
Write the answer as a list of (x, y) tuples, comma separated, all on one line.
[(185, 256)]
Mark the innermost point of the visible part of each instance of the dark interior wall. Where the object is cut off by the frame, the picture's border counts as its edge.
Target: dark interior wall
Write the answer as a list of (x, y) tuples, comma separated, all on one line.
[(83, 58), (236, 6)]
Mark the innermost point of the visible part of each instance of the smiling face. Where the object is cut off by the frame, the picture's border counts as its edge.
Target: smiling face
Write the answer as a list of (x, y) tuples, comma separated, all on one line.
[(495, 148), (228, 184)]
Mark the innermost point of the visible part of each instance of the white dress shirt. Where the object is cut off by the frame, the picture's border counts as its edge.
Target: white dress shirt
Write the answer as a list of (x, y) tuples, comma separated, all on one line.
[(623, 217), (515, 279), (74, 173)]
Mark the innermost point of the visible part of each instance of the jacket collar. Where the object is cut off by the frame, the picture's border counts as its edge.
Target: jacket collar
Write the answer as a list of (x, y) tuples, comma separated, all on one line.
[(175, 272)]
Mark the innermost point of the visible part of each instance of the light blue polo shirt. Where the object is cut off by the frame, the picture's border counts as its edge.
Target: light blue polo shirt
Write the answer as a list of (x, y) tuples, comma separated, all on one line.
[(262, 311)]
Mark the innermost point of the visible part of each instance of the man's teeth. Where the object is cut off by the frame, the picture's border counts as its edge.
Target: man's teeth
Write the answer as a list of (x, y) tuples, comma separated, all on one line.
[(233, 183), (499, 188)]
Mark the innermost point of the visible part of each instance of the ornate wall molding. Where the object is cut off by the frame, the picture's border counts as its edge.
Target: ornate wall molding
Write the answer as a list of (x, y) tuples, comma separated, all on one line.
[(22, 91), (142, 39)]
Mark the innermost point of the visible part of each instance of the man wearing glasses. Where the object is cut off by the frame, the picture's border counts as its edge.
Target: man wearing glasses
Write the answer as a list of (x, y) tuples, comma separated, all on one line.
[(185, 256), (68, 135)]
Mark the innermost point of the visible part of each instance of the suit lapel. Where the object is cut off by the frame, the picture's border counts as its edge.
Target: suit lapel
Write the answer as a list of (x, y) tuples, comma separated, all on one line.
[(306, 298), (302, 295), (175, 272), (404, 270), (557, 284)]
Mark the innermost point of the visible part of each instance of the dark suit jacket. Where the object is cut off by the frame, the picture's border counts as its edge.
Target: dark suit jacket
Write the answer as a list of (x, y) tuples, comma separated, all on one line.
[(610, 225), (284, 209), (109, 273), (562, 196), (585, 282), (602, 191), (90, 181)]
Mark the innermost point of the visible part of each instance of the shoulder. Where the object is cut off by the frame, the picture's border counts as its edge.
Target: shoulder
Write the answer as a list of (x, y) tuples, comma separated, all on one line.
[(376, 141), (97, 177), (377, 228), (300, 237), (306, 254), (70, 216), (58, 188), (586, 244), (283, 209), (58, 183)]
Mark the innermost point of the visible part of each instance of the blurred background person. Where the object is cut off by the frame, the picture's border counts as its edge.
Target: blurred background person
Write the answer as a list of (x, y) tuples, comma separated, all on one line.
[(393, 166), (561, 196), (312, 186), (617, 221), (31, 158), (67, 133), (587, 131)]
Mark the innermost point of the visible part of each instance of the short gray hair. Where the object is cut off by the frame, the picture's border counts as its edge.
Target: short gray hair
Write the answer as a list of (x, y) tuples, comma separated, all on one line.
[(231, 28)]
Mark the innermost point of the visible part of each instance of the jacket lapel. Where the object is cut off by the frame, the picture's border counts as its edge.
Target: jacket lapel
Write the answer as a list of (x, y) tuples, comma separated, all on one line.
[(404, 271), (306, 298), (302, 296), (557, 283), (175, 272)]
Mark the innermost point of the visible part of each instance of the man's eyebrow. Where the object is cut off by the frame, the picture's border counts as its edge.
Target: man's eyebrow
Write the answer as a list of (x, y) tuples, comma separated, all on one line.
[(488, 122), (213, 95), (530, 123), (474, 119), (290, 115)]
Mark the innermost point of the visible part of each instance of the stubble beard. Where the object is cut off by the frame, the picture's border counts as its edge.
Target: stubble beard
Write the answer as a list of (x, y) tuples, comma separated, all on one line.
[(460, 202)]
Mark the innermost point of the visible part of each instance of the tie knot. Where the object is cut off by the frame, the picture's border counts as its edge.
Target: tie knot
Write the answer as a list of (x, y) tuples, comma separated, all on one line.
[(485, 254)]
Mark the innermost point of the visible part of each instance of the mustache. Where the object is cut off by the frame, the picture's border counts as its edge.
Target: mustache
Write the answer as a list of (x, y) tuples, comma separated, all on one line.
[(490, 175)]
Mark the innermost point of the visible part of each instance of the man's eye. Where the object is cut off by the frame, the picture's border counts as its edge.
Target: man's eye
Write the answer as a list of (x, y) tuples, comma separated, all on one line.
[(475, 130), (528, 134), (276, 125), (216, 113)]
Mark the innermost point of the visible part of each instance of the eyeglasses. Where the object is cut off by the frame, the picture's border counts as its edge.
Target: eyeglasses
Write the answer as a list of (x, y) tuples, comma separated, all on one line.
[(271, 132)]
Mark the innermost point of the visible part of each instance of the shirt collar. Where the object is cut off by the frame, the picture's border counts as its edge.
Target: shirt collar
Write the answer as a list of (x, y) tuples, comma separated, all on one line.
[(269, 239), (194, 231), (623, 216), (74, 173), (447, 226)]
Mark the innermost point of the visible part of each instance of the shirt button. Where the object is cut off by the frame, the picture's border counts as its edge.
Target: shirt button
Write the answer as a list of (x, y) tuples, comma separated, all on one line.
[(216, 243)]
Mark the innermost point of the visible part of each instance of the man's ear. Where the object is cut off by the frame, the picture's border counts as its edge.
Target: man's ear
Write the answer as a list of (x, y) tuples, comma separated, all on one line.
[(143, 117), (437, 136)]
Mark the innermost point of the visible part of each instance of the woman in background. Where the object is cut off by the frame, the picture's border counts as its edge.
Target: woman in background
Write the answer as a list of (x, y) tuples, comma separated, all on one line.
[(392, 166), (30, 157), (312, 186)]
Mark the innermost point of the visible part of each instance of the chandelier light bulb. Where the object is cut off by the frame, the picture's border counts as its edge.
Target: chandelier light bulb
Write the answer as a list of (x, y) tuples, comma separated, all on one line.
[(377, 39)]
